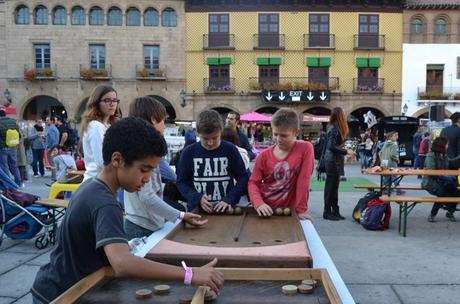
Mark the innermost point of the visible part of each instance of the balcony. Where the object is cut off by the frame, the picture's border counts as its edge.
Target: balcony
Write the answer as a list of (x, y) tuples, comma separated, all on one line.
[(219, 86), (217, 41), (319, 41), (89, 73), (438, 93), (143, 73), (293, 84), (31, 73), (368, 85), (369, 42), (269, 41)]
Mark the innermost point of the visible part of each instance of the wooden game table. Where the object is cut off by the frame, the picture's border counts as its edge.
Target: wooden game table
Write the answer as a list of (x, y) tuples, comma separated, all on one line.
[(245, 240), (250, 285)]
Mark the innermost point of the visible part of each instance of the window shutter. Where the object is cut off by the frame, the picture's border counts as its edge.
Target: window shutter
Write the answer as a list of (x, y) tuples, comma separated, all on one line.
[(225, 60), (275, 61), (362, 62), (213, 61), (374, 62), (312, 62), (262, 61), (324, 61)]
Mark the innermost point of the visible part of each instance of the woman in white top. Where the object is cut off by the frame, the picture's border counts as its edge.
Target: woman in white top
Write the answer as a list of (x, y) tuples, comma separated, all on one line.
[(101, 111)]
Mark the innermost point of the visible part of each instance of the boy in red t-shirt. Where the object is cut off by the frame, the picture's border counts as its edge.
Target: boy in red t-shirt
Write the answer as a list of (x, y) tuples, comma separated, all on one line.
[(282, 173)]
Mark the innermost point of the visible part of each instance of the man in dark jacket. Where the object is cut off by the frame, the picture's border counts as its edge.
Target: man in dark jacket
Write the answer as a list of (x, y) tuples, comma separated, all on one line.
[(8, 155), (232, 120), (452, 133)]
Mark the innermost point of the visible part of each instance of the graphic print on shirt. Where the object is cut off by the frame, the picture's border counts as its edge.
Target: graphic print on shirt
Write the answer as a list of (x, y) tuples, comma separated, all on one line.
[(210, 177), (285, 179)]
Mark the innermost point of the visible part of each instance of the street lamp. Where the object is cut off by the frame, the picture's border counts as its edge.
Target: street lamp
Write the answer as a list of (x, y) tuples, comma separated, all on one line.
[(8, 97), (182, 95), (405, 109)]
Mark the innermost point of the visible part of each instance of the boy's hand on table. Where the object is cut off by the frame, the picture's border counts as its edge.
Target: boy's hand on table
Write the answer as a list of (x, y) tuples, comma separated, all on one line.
[(194, 219), (305, 216), (264, 210), (205, 205), (221, 206), (207, 275)]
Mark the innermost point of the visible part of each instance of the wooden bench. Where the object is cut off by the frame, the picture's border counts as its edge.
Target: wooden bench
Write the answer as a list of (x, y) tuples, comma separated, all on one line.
[(378, 187), (406, 204)]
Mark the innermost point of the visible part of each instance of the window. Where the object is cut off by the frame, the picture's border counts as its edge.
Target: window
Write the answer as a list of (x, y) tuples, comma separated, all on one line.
[(416, 26), (41, 15), (96, 16), (133, 17), (42, 56), (152, 58), (219, 78), (151, 17), (318, 76), (59, 16), (434, 78), (22, 15), (115, 16), (319, 30), (169, 18), (218, 30), (78, 15), (368, 31), (440, 26), (268, 31), (368, 79), (269, 74), (97, 56)]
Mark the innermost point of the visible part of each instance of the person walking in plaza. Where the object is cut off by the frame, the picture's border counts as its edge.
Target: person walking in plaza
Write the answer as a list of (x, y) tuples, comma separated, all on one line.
[(101, 111), (37, 137), (424, 149), (232, 120), (8, 147), (52, 139), (452, 133), (334, 163), (441, 186), (190, 134), (389, 157), (418, 136)]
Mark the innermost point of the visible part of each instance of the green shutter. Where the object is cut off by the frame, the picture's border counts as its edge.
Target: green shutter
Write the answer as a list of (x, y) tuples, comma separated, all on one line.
[(213, 60), (263, 61), (324, 61), (362, 62), (275, 61), (312, 62), (374, 62), (225, 60)]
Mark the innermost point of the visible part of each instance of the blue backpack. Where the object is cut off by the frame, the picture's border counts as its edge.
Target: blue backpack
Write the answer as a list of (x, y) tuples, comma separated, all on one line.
[(376, 216)]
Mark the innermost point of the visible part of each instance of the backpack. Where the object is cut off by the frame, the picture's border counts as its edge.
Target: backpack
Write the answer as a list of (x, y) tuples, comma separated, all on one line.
[(12, 138), (376, 216), (362, 204)]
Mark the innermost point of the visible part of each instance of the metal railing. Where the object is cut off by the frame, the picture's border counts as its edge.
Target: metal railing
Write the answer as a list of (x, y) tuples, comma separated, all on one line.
[(215, 41), (31, 72), (144, 73), (219, 85), (369, 42), (294, 83), (269, 41), (368, 85), (319, 41), (437, 92), (87, 72)]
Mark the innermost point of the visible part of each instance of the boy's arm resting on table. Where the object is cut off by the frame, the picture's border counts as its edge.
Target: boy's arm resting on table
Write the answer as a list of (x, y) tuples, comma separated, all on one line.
[(303, 180), (185, 180), (239, 173), (125, 264)]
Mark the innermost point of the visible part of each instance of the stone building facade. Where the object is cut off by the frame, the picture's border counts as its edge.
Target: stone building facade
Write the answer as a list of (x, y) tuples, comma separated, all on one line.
[(53, 53)]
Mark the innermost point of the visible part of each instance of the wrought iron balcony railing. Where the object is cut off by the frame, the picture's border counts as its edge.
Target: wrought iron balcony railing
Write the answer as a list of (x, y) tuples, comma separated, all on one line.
[(294, 83), (319, 41), (218, 41), (369, 42), (88, 72), (269, 41), (368, 85), (32, 73), (148, 73), (211, 85)]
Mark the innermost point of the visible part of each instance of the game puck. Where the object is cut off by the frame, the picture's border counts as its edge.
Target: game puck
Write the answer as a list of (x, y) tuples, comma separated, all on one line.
[(310, 282), (143, 294), (279, 211), (287, 211), (238, 211), (210, 295), (289, 289), (161, 289), (185, 300), (305, 288), (229, 211)]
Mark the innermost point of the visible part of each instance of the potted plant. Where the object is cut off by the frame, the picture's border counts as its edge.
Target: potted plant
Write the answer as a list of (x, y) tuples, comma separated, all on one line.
[(254, 85), (159, 73), (47, 72), (86, 74), (100, 73), (30, 75), (143, 73)]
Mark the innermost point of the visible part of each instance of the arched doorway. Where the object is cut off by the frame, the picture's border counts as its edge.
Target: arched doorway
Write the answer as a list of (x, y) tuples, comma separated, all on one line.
[(356, 122), (169, 108), (319, 111), (314, 121), (267, 110), (42, 106)]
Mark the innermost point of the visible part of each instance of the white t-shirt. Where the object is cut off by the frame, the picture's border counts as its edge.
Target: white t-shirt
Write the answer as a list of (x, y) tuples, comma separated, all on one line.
[(92, 148)]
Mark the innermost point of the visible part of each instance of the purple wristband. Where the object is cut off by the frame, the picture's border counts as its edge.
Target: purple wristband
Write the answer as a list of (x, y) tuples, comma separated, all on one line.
[(188, 274)]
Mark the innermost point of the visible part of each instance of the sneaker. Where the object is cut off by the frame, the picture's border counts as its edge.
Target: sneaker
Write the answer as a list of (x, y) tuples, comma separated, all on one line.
[(431, 218), (451, 216), (35, 175)]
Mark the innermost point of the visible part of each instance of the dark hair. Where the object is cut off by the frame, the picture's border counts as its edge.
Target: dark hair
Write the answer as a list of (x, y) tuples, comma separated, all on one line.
[(455, 117), (230, 134), (439, 145), (60, 118), (38, 128), (134, 139), (208, 122), (427, 134), (2, 113), (147, 107), (237, 115), (59, 147)]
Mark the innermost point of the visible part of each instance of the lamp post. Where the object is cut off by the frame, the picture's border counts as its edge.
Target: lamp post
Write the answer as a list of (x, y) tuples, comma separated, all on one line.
[(8, 97), (182, 95), (405, 109)]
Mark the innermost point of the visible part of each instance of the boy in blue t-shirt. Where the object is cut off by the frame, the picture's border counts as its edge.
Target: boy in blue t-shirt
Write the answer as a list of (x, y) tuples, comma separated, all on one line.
[(91, 235), (208, 169)]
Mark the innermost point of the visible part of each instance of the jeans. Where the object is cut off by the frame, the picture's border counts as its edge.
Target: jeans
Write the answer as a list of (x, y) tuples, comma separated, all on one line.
[(447, 187), (38, 155), (331, 193), (134, 231), (9, 163), (417, 161)]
